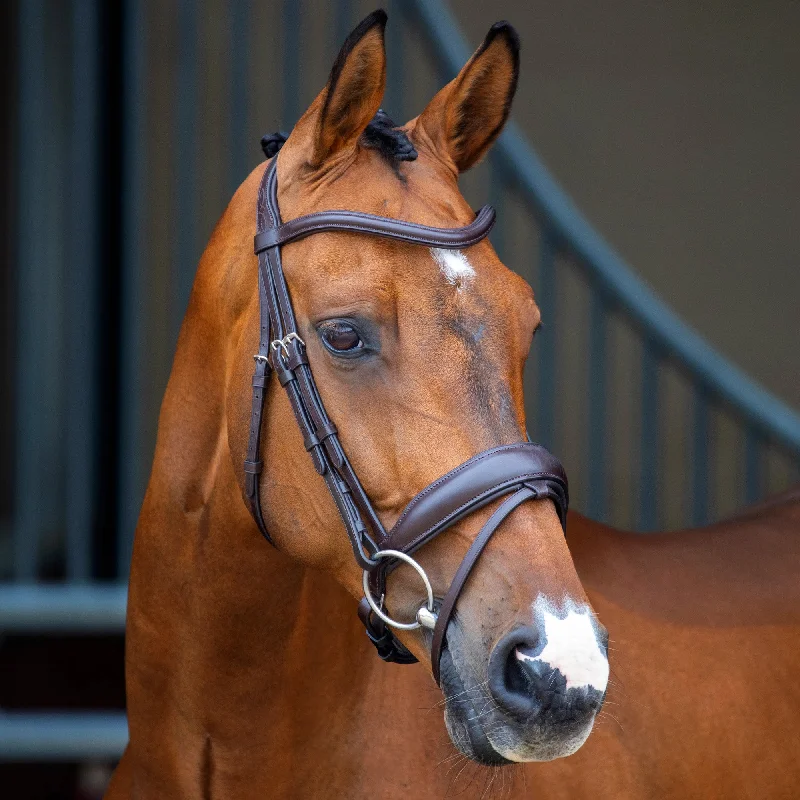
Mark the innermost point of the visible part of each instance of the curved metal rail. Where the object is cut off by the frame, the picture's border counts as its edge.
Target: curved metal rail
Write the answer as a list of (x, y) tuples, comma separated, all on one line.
[(765, 424), (616, 279)]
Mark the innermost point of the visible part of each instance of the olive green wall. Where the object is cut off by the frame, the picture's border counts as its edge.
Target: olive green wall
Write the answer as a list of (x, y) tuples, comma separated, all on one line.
[(676, 127)]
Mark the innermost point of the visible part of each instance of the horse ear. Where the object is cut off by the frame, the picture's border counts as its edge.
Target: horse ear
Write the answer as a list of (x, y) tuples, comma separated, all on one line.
[(466, 116), (354, 91)]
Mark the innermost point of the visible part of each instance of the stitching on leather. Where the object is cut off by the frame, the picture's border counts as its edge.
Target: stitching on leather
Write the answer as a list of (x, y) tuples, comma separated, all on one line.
[(500, 490), (405, 230), (406, 236), (474, 460), (401, 223), (425, 234)]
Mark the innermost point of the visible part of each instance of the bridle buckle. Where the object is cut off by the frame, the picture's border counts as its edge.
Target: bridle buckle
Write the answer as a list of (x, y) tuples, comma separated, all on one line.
[(283, 344)]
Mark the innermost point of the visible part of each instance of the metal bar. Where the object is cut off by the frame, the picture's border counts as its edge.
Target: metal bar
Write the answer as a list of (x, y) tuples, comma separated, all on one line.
[(32, 271), (133, 455), (292, 12), (753, 488), (239, 145), (546, 376), (62, 736), (498, 186), (51, 295), (597, 450), (82, 287), (41, 608), (448, 62), (700, 457), (648, 448), (760, 408), (186, 211)]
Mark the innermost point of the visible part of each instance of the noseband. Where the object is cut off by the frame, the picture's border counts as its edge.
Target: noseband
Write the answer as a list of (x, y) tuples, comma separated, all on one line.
[(518, 472)]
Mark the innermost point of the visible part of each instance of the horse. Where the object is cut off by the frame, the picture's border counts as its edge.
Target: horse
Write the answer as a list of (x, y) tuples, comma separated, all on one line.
[(249, 674)]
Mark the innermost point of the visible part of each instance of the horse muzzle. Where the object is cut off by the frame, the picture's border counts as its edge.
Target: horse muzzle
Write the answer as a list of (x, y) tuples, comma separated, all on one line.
[(541, 696)]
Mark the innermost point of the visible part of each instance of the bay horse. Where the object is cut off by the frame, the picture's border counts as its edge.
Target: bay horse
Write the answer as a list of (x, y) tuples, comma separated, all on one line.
[(248, 672)]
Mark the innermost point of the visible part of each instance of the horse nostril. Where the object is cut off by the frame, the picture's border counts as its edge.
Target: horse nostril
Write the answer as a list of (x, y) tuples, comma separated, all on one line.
[(515, 678), (526, 686), (510, 679)]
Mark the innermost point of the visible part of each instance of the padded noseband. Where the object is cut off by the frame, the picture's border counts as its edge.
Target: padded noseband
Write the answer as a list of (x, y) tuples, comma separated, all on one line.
[(518, 472)]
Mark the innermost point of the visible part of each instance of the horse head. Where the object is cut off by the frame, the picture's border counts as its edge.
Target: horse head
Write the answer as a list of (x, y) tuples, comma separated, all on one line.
[(418, 355)]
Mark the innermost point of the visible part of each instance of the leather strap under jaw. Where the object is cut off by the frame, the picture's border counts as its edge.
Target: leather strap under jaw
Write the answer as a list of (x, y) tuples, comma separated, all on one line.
[(524, 471), (253, 463)]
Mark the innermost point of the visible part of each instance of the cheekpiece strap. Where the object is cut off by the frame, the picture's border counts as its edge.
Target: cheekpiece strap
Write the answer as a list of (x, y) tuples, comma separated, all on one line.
[(285, 353)]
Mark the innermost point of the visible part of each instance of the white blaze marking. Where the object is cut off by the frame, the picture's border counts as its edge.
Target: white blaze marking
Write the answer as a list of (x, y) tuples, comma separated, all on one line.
[(454, 266), (572, 649)]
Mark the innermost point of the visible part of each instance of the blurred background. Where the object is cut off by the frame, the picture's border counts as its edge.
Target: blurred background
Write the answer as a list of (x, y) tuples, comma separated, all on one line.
[(662, 241)]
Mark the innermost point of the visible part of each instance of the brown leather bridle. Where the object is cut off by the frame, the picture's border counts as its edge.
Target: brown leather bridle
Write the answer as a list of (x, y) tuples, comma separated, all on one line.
[(521, 472)]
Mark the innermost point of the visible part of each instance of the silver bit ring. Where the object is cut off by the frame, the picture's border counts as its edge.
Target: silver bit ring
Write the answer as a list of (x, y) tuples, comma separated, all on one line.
[(428, 607)]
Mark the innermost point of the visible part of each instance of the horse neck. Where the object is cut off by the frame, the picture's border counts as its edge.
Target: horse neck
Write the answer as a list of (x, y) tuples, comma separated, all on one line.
[(226, 623)]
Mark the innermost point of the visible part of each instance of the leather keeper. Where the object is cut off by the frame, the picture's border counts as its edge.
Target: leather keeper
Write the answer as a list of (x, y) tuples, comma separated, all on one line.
[(297, 357), (260, 381), (265, 239), (310, 440), (285, 375), (325, 430), (251, 473), (334, 449), (317, 437)]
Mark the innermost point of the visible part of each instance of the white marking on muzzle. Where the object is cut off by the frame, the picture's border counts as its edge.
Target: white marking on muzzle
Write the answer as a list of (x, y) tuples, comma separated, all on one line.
[(572, 648), (454, 266)]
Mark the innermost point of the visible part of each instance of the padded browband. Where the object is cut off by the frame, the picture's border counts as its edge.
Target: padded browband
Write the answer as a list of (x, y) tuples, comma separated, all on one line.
[(357, 222), (474, 484)]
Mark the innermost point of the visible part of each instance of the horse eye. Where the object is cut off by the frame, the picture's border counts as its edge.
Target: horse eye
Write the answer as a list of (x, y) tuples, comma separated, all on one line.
[(341, 337)]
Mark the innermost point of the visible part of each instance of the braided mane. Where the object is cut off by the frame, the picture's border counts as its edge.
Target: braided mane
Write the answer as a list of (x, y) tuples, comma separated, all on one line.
[(380, 134)]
